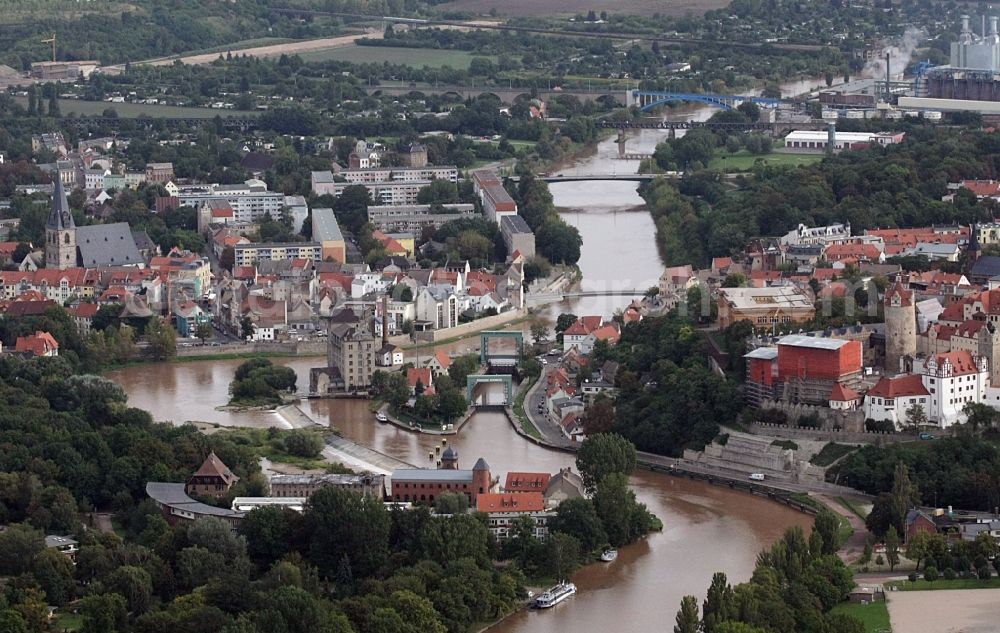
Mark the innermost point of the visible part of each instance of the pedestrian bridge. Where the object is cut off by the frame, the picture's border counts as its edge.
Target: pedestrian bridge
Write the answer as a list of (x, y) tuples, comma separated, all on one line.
[(649, 99)]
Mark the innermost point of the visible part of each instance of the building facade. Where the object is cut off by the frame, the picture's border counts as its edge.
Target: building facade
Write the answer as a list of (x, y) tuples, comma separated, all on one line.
[(352, 350)]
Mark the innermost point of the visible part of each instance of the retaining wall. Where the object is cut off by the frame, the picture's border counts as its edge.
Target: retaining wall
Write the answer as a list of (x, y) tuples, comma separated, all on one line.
[(290, 348)]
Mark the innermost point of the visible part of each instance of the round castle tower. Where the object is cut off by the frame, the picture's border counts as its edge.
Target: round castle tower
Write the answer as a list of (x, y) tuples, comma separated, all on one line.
[(900, 327)]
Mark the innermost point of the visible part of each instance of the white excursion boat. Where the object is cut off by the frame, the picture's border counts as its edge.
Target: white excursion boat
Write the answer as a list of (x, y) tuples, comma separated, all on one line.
[(555, 595), (609, 555), (381, 417)]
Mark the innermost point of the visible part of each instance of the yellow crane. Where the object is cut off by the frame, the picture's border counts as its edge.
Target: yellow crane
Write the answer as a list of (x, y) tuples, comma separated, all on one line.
[(51, 40)]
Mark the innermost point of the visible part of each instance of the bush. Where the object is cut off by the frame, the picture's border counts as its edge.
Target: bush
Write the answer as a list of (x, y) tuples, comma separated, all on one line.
[(303, 444), (930, 573), (949, 574), (913, 576), (983, 573)]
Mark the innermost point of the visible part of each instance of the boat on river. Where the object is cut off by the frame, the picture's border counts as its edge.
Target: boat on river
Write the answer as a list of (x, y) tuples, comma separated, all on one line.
[(609, 555), (555, 595)]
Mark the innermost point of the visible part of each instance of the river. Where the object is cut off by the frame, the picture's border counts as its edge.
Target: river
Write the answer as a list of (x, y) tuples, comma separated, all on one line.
[(706, 528)]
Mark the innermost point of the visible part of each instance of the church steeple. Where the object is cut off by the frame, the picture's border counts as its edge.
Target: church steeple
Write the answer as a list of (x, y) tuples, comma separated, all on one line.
[(60, 217), (60, 231)]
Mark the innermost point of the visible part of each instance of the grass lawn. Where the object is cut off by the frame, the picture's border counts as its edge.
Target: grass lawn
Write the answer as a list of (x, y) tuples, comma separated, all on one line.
[(526, 424), (417, 57), (831, 453), (874, 616), (940, 583), (66, 621), (133, 110), (853, 507), (743, 160)]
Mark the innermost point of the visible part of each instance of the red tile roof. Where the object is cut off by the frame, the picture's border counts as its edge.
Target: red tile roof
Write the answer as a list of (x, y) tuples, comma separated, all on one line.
[(214, 467), (841, 393), (910, 385), (494, 502), (962, 362), (40, 343), (526, 482)]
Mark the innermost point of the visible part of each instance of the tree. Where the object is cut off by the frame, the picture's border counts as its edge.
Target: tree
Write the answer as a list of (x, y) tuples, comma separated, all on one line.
[(344, 523), (19, 545), (451, 503), (451, 404), (719, 605), (687, 620), (917, 547), (979, 417), (302, 443), (351, 207), (904, 496), (267, 532), (604, 454), (578, 518), (539, 331), (892, 547), (915, 416), (53, 571), (827, 525), (599, 416), (439, 191), (227, 259), (247, 328), (162, 339), (135, 585), (203, 331), (103, 613)]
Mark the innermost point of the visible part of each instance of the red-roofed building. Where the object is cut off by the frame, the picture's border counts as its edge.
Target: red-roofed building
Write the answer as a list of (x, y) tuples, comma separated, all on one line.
[(83, 316), (423, 376), (844, 398), (38, 344), (213, 479), (854, 251), (439, 363), (983, 188), (7, 251), (504, 509), (802, 369), (526, 482), (579, 334), (942, 385)]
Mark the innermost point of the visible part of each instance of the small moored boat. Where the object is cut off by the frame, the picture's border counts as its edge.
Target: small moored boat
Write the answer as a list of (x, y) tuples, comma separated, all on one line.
[(381, 417), (609, 555), (555, 595)]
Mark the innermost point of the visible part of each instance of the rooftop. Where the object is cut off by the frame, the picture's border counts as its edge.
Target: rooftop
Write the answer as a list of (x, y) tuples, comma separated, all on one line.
[(325, 226), (801, 340), (425, 474)]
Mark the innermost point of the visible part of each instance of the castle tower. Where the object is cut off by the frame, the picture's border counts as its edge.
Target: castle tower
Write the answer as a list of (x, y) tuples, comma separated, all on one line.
[(481, 478), (60, 232), (900, 327), (449, 459)]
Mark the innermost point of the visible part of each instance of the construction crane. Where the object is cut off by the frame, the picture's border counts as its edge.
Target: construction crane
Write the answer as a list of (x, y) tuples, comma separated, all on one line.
[(51, 40)]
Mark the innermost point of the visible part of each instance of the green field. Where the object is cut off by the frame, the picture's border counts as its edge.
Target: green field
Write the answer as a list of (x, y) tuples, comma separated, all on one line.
[(941, 583), (875, 616), (133, 110), (417, 57), (744, 161)]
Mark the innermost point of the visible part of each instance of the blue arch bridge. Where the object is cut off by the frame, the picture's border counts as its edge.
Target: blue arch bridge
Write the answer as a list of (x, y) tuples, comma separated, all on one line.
[(649, 99)]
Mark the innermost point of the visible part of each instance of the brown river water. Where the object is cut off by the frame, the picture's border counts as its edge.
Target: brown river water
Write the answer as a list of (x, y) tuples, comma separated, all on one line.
[(706, 528)]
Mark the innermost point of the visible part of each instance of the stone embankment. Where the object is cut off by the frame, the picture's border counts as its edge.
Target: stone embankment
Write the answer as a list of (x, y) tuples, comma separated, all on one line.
[(745, 453)]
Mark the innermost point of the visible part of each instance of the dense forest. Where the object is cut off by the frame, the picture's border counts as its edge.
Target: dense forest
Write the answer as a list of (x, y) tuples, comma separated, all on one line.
[(897, 185), (668, 398), (959, 471)]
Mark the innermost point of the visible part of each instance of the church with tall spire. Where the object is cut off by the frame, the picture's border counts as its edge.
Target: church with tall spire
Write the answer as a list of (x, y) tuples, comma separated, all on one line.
[(91, 246), (60, 232)]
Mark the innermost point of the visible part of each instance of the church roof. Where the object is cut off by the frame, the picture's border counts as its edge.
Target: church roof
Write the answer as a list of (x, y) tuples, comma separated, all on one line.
[(107, 245), (60, 217)]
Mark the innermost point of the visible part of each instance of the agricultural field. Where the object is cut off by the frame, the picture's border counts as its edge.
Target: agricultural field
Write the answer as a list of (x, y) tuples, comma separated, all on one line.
[(133, 110), (416, 57), (519, 8)]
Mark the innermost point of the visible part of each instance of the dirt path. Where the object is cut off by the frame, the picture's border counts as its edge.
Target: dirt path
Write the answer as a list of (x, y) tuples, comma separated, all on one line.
[(855, 545), (271, 50)]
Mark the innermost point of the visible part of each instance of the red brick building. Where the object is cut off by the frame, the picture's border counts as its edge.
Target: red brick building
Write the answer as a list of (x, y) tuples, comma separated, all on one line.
[(424, 485), (807, 367)]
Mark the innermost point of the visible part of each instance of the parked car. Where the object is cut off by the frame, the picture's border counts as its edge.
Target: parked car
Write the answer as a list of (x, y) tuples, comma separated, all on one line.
[(926, 436), (757, 476)]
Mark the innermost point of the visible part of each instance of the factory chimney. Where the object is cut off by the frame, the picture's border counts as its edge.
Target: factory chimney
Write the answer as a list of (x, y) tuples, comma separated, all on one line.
[(993, 25), (888, 76), (966, 36), (385, 319), (831, 137)]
